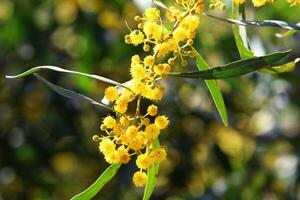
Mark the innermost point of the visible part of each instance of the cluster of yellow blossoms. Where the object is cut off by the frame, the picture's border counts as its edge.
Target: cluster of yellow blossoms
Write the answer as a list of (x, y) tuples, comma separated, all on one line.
[(259, 3), (134, 134)]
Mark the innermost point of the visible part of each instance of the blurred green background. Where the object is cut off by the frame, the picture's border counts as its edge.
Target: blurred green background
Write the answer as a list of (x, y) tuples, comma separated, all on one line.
[(46, 151)]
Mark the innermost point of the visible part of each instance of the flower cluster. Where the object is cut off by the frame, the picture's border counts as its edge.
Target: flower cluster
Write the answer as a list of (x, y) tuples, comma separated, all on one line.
[(259, 3), (134, 134)]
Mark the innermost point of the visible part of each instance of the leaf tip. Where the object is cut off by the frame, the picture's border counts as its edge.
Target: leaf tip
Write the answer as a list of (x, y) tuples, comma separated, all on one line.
[(6, 76)]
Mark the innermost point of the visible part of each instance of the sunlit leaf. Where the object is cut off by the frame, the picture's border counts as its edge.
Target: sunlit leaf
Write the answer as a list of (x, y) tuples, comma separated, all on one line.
[(69, 93), (263, 23), (91, 191), (152, 173), (233, 69), (58, 69), (213, 89), (288, 67), (240, 38)]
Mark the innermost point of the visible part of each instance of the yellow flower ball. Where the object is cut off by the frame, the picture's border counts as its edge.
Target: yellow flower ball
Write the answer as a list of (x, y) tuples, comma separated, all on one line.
[(161, 122), (111, 93), (109, 122), (107, 146), (123, 155), (158, 155), (140, 179), (152, 14), (136, 37), (152, 110), (152, 131), (143, 161), (259, 3), (149, 61)]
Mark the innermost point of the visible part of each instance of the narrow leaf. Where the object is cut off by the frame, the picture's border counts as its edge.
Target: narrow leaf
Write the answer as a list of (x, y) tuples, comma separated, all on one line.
[(213, 89), (69, 93), (287, 33), (288, 67), (240, 39), (236, 68), (152, 173), (264, 23), (91, 191), (58, 69)]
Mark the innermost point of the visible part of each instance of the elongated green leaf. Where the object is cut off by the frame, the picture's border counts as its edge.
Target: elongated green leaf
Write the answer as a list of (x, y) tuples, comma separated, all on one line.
[(264, 23), (152, 173), (213, 89), (240, 39), (240, 36), (91, 191), (69, 93), (286, 34), (236, 68), (58, 69), (288, 67)]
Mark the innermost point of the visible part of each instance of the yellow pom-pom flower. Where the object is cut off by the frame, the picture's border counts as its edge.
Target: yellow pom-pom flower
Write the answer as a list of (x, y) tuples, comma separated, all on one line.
[(158, 155), (109, 122), (111, 93), (149, 61), (161, 122), (123, 155), (140, 179), (143, 161), (136, 37), (152, 14), (152, 131), (258, 3), (107, 146), (152, 110)]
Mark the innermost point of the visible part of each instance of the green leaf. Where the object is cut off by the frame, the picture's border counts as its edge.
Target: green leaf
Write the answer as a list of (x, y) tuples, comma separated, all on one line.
[(69, 93), (286, 33), (236, 68), (152, 173), (58, 69), (288, 67), (240, 39), (213, 89), (263, 23), (91, 191)]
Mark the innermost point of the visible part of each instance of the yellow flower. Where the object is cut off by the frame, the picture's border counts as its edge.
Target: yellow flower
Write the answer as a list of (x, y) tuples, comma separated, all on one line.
[(152, 30), (293, 2), (136, 37), (190, 22), (120, 108), (152, 14), (111, 157), (179, 34), (149, 61), (111, 93), (137, 141), (239, 1), (107, 146), (158, 155), (143, 161), (138, 72), (132, 131), (258, 3), (140, 179), (152, 110), (124, 121), (123, 155), (161, 122), (157, 93), (135, 59), (109, 122), (152, 131)]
